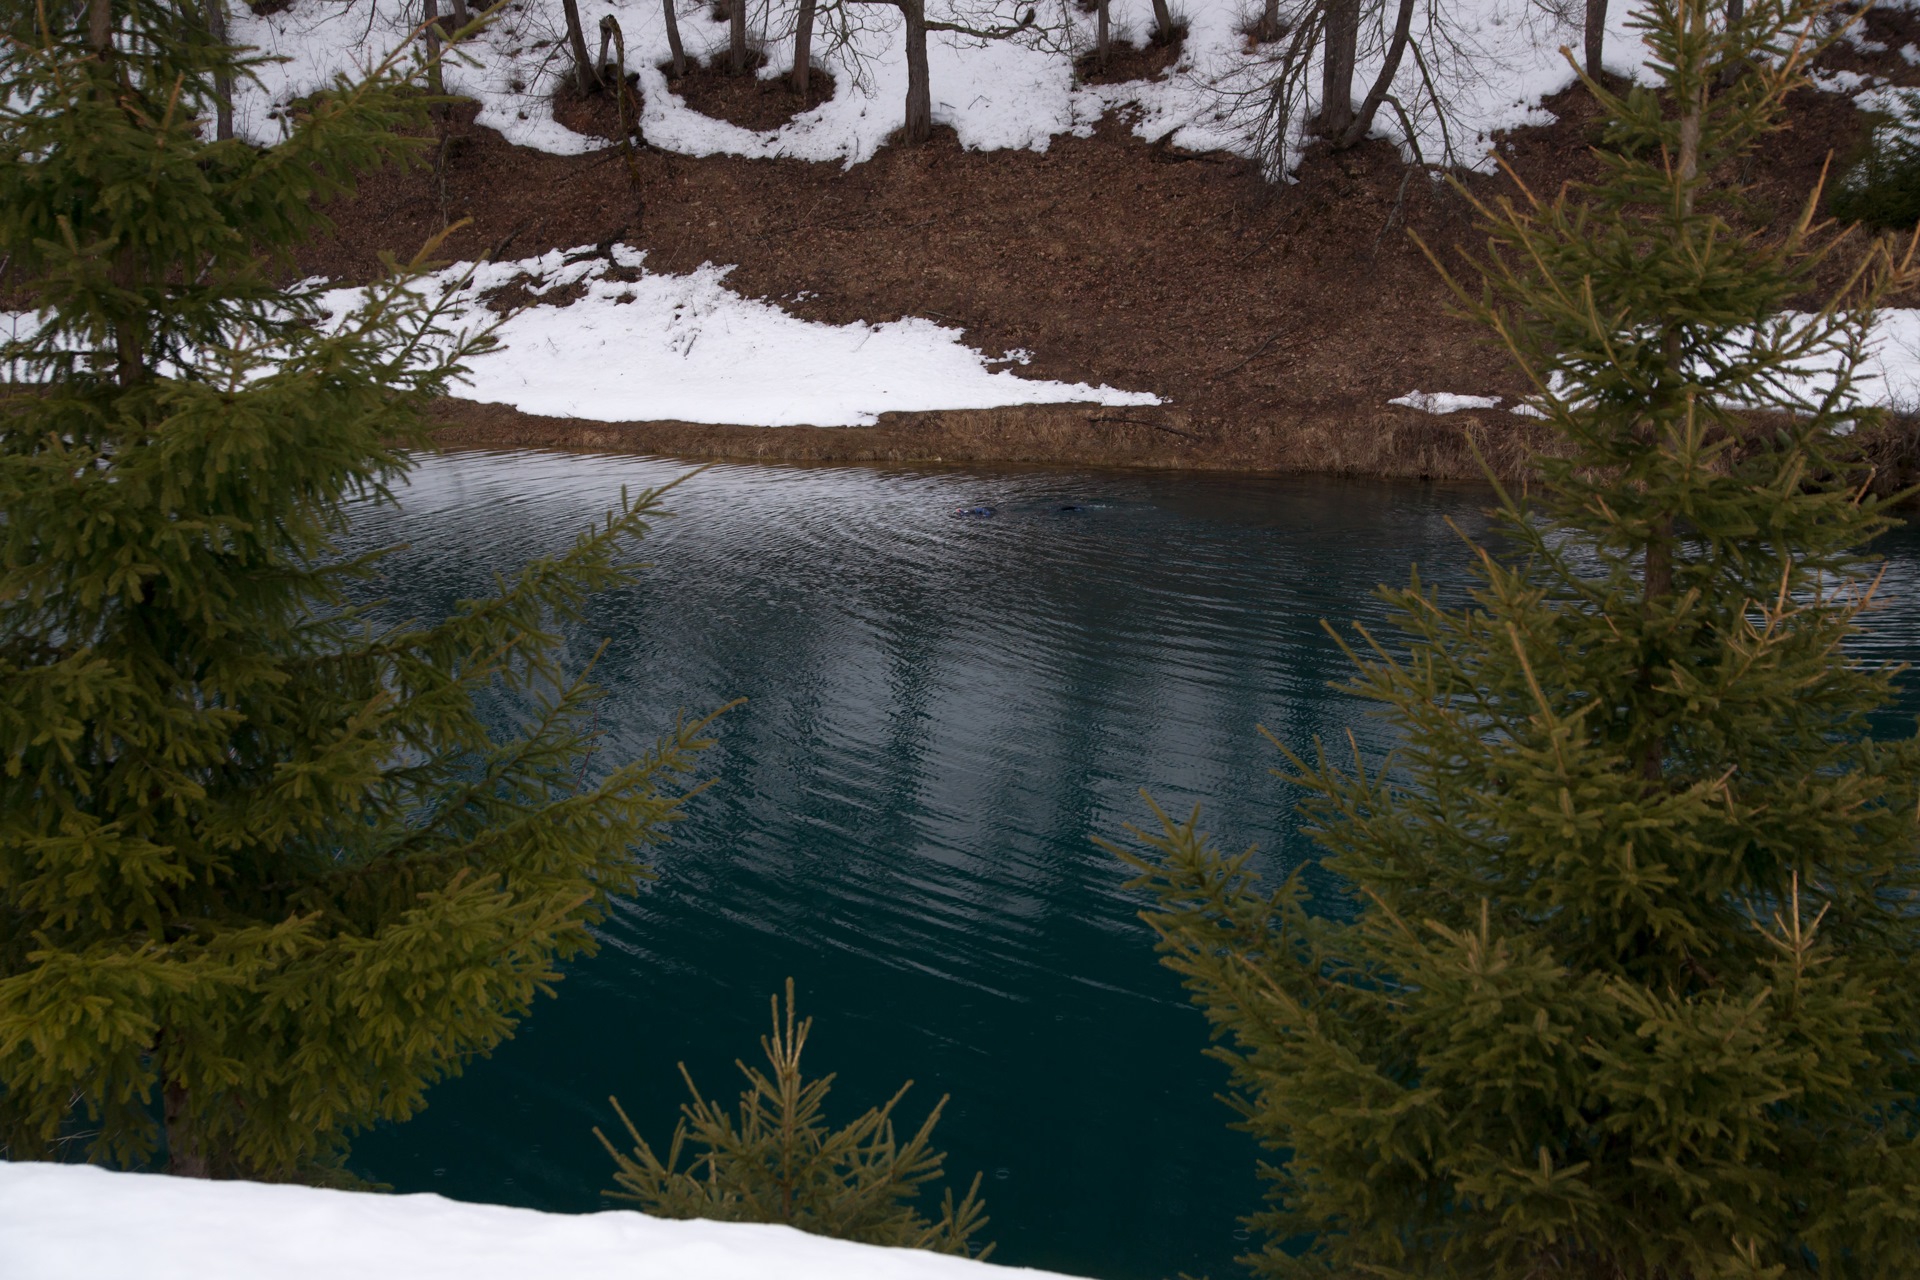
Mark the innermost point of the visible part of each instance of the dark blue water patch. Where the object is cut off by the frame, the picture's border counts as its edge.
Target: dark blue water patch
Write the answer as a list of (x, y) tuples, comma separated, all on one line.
[(941, 713)]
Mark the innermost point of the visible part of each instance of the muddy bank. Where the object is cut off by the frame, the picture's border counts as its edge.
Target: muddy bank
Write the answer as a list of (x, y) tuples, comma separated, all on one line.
[(1389, 443)]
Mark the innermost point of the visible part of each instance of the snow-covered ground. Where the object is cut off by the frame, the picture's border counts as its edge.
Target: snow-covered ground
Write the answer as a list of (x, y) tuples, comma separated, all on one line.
[(636, 346), (1492, 61), (75, 1222), (687, 348), (1888, 375)]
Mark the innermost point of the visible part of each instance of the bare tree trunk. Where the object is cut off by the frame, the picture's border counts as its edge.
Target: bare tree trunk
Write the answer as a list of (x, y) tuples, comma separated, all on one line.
[(737, 36), (1596, 35), (584, 75), (673, 39), (461, 15), (435, 84), (99, 25), (1162, 22), (223, 74), (1736, 13), (1103, 37), (919, 86), (185, 1159), (803, 48), (1362, 123), (1336, 72), (1268, 28)]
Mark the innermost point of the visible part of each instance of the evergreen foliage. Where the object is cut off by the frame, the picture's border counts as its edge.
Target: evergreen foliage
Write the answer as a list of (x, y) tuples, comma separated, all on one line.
[(1881, 187), (1627, 983), (265, 872), (780, 1161)]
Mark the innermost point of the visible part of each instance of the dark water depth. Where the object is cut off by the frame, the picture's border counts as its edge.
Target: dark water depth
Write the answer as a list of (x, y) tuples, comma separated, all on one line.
[(942, 712)]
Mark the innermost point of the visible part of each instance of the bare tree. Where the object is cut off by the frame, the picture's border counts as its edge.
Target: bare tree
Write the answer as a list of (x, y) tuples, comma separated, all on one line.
[(919, 121), (215, 15), (1164, 27), (737, 36), (1341, 19), (430, 28), (673, 39), (803, 46), (1267, 28), (586, 76), (1596, 34), (1275, 97)]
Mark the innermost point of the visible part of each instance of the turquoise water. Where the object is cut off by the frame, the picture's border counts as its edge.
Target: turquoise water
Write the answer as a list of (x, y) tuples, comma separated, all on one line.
[(942, 712)]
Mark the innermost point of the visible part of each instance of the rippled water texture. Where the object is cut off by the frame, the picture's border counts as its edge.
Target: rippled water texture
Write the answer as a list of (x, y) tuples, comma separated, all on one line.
[(941, 713)]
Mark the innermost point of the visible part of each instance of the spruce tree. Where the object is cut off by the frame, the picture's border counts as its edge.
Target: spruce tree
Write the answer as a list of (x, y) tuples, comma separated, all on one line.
[(1625, 982), (265, 870), (780, 1161)]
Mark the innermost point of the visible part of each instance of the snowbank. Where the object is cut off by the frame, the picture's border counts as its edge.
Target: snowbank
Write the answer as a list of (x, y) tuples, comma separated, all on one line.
[(75, 1222), (635, 346)]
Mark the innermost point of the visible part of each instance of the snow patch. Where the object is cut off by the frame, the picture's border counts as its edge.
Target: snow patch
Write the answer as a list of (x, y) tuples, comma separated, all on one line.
[(77, 1222), (1888, 375), (1443, 401), (638, 346)]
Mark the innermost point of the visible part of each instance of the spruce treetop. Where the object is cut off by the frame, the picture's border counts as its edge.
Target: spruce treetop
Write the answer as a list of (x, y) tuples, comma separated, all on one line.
[(1626, 985), (266, 870)]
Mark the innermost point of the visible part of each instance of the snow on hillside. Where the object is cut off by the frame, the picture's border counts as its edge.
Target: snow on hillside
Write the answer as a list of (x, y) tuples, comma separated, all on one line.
[(636, 345), (1494, 59), (1888, 375), (76, 1222)]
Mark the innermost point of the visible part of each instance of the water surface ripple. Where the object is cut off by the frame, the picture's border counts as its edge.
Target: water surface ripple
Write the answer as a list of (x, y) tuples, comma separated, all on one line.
[(941, 712)]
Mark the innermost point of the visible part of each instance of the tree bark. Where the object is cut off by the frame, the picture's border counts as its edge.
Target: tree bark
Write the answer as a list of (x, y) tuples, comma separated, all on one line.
[(1103, 37), (673, 39), (1336, 72), (1362, 122), (1162, 22), (461, 15), (99, 25), (185, 1159), (1268, 28), (435, 84), (919, 86), (737, 36), (1596, 36), (584, 74), (223, 74), (803, 49)]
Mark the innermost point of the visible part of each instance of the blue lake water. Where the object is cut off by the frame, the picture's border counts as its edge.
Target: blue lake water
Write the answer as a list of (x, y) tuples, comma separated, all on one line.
[(941, 713)]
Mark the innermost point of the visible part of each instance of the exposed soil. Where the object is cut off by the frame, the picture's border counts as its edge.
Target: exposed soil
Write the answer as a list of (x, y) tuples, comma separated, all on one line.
[(600, 113), (746, 99), (1275, 322), (1125, 62)]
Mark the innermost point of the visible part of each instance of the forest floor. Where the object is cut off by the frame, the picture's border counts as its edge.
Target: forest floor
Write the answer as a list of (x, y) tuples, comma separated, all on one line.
[(1275, 322)]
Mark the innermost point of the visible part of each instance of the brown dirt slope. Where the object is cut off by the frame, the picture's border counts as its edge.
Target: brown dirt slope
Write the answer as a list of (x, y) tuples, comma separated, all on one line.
[(1276, 322)]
